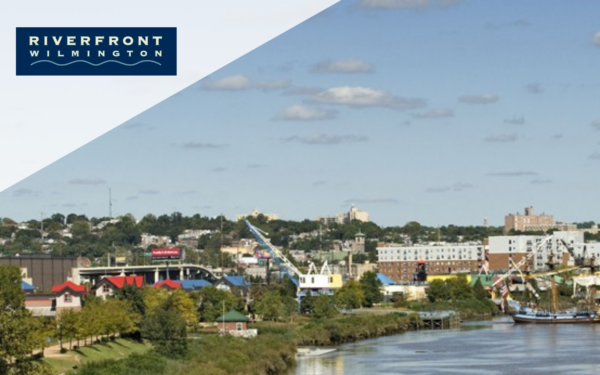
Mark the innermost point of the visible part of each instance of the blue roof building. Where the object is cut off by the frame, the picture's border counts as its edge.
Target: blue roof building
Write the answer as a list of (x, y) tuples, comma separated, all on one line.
[(233, 282), (193, 284), (385, 280), (26, 287)]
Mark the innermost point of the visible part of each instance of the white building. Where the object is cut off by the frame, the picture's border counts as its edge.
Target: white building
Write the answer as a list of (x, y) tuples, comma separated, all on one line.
[(148, 239), (503, 248)]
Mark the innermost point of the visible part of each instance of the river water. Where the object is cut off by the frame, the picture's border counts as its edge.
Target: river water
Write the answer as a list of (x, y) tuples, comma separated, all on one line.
[(490, 347)]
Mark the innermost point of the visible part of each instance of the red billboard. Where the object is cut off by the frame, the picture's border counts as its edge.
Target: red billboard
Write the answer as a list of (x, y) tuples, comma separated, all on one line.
[(166, 254)]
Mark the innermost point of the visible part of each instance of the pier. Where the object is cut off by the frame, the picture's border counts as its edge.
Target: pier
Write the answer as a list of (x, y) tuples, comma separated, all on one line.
[(440, 319)]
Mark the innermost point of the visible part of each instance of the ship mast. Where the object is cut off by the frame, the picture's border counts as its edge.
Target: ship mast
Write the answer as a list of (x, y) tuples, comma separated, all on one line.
[(551, 264)]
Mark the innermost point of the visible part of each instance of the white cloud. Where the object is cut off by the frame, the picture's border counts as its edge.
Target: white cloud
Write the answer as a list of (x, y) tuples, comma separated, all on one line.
[(298, 112), (597, 39), (371, 201), (596, 124), (436, 113), (502, 138), (87, 181), (479, 99), (302, 91), (541, 181), (406, 4), (515, 120), (24, 192), (457, 187), (149, 192), (595, 156), (356, 96), (241, 82), (350, 66), (521, 23), (534, 88), (325, 139), (513, 174), (203, 145)]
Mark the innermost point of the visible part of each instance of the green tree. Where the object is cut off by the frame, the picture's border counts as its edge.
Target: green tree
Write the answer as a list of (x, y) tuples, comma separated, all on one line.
[(135, 296), (324, 307), (371, 287), (479, 291), (165, 327), (459, 287), (307, 303), (80, 229), (68, 321), (19, 332), (350, 296), (12, 297), (210, 303), (438, 291), (271, 306)]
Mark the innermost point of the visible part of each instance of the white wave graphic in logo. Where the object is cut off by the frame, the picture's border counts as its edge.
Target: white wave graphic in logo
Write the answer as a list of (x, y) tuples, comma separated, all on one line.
[(87, 62)]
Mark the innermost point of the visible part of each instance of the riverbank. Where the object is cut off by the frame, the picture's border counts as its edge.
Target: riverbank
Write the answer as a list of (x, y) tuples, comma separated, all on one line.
[(210, 355), (343, 329), (272, 352), (468, 309)]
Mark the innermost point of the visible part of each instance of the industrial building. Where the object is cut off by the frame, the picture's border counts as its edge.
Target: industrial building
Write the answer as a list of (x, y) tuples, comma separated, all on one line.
[(44, 271)]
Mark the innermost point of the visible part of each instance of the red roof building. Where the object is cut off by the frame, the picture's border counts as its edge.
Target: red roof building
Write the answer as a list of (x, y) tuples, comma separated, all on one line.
[(68, 285), (106, 286), (121, 281), (168, 284)]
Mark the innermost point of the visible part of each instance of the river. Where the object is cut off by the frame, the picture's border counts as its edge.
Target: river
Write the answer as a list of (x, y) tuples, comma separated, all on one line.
[(490, 347)]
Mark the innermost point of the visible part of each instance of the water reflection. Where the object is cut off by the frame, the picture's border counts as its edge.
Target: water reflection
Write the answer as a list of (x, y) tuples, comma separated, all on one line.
[(497, 348)]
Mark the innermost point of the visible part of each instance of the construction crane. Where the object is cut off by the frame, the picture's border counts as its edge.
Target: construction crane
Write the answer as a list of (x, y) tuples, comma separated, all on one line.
[(317, 281)]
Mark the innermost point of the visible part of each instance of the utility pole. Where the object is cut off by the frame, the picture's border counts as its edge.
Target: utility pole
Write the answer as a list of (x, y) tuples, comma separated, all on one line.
[(221, 248), (42, 229)]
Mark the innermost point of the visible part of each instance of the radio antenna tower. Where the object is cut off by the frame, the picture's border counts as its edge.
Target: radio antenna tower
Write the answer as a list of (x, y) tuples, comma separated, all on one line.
[(109, 203)]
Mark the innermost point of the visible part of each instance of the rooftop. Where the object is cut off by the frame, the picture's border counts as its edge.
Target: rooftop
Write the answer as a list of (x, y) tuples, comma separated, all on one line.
[(121, 281), (68, 285), (233, 316)]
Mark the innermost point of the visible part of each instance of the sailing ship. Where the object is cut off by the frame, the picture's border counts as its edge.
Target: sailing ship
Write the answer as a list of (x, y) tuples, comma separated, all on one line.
[(534, 316)]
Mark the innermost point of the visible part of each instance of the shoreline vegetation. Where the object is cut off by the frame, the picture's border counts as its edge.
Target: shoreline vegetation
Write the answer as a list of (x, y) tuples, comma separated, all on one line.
[(272, 352), (343, 329), (211, 355)]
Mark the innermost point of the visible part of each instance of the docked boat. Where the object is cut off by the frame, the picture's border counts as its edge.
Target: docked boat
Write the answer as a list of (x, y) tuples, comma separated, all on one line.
[(544, 317)]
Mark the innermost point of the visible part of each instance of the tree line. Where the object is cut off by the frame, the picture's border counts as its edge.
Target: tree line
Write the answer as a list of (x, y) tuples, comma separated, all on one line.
[(123, 236)]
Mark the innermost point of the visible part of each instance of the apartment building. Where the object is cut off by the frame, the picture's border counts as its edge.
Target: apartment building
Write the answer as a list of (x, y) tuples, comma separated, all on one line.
[(400, 263)]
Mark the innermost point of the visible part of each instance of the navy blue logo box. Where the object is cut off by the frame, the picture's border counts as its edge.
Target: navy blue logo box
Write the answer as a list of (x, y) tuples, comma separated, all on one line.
[(96, 51)]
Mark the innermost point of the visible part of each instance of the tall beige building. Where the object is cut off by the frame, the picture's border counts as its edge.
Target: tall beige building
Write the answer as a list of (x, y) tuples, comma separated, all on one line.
[(529, 221), (346, 217)]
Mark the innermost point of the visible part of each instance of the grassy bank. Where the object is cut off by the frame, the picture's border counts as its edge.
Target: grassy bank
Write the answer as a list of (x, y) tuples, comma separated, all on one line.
[(471, 308), (211, 355), (342, 329), (120, 348), (271, 353)]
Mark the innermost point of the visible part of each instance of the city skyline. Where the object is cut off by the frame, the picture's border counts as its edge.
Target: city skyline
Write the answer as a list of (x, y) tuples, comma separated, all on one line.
[(442, 112)]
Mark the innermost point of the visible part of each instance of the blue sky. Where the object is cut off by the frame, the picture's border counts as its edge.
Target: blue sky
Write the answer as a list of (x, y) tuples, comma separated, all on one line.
[(429, 110)]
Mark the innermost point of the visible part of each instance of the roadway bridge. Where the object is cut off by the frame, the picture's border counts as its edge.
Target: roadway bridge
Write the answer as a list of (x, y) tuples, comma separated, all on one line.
[(151, 273)]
